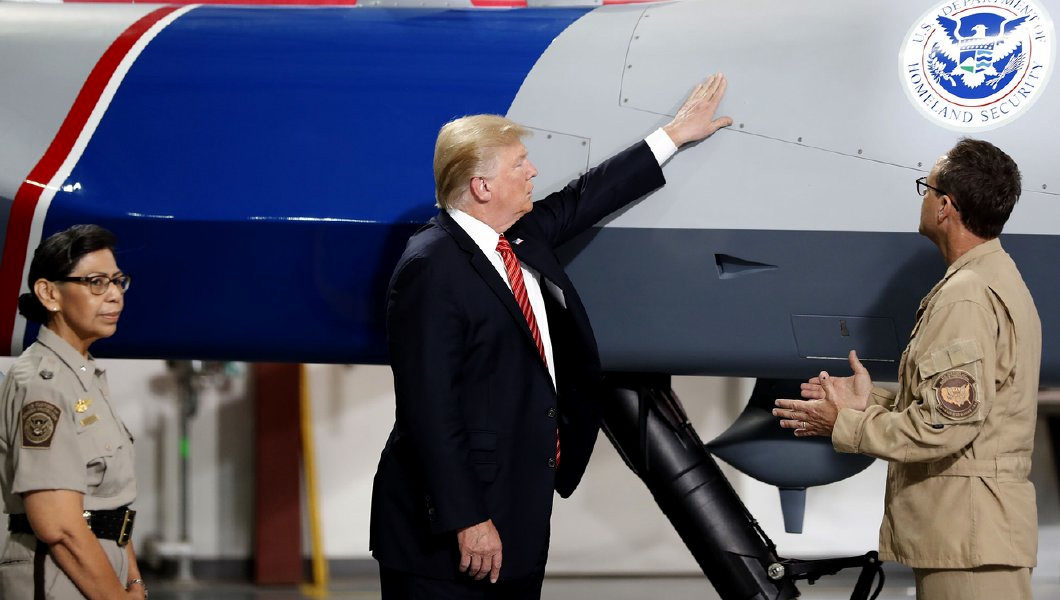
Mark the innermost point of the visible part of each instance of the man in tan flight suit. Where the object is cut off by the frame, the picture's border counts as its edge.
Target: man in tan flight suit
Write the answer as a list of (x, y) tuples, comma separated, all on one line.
[(59, 432), (958, 434)]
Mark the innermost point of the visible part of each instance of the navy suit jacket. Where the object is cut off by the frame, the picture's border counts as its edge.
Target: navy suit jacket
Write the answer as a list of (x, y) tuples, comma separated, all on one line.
[(476, 411)]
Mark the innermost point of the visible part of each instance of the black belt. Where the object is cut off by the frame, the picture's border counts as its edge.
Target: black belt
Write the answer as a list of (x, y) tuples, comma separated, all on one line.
[(116, 524)]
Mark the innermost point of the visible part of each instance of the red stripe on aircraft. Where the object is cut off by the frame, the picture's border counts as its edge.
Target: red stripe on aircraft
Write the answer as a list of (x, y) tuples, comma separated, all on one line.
[(499, 3), (20, 219), (255, 2)]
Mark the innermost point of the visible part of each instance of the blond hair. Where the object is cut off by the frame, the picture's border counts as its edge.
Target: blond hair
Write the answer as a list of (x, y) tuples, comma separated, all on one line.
[(466, 148)]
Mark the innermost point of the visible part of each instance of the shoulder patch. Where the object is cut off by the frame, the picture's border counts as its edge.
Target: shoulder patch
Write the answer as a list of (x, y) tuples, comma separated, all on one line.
[(955, 394), (38, 424)]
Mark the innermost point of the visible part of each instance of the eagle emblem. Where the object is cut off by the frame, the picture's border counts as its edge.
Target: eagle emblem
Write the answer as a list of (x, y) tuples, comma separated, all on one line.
[(974, 66), (980, 53), (38, 424)]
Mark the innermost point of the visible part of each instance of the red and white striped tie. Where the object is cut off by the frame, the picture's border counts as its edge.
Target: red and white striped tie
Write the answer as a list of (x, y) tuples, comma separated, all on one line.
[(515, 278)]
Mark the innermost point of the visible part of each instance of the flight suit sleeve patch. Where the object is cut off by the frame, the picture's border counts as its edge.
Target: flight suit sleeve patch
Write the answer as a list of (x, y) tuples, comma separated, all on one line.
[(38, 424), (956, 394)]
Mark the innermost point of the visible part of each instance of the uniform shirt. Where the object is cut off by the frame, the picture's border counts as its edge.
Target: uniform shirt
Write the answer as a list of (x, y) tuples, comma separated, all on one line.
[(58, 431), (661, 146), (958, 434)]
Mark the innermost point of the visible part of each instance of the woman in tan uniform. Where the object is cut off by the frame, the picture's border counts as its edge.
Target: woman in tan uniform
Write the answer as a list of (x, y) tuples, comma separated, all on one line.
[(66, 459)]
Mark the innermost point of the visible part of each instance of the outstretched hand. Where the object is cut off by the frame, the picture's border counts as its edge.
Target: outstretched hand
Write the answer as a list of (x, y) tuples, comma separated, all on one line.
[(695, 119), (852, 392), (824, 397)]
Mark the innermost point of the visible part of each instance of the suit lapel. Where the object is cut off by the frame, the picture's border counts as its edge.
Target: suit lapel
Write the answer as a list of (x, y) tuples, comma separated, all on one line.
[(485, 269), (538, 258)]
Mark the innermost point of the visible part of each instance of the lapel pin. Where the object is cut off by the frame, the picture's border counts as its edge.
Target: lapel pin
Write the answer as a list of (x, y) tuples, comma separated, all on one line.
[(518, 241)]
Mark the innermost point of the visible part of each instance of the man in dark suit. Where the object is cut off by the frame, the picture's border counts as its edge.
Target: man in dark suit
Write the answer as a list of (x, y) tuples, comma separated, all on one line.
[(496, 370)]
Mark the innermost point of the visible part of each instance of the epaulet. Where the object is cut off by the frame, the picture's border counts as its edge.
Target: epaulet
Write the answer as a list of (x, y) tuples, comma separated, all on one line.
[(965, 284), (27, 368), (40, 383)]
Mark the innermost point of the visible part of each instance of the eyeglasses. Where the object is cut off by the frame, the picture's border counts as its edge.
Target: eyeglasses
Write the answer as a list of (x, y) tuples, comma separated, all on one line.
[(922, 188), (99, 284)]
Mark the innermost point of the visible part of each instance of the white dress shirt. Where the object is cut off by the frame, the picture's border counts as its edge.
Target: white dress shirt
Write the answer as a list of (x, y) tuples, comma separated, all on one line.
[(662, 147)]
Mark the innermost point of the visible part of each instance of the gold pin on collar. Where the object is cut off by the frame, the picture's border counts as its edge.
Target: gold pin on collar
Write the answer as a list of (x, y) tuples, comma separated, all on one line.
[(82, 405)]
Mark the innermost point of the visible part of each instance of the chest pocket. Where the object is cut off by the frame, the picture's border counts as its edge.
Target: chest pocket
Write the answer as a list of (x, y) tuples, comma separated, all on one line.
[(108, 469)]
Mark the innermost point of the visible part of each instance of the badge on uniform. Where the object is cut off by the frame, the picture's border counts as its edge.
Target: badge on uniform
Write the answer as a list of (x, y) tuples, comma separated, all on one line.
[(38, 424), (82, 405), (955, 394)]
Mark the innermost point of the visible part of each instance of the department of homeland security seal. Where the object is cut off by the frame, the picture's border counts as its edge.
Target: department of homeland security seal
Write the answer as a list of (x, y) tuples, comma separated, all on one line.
[(38, 424), (974, 65)]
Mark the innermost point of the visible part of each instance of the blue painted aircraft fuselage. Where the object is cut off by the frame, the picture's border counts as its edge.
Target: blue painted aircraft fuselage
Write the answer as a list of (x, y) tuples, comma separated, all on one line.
[(272, 156)]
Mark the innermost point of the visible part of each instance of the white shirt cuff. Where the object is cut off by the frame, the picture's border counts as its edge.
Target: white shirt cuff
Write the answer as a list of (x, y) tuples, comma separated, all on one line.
[(661, 146)]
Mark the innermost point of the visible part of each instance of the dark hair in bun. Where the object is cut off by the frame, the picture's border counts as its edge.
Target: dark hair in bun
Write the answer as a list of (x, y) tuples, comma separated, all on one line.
[(56, 257)]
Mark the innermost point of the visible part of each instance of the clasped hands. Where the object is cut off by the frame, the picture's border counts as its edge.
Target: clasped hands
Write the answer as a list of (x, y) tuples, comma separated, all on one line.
[(824, 396)]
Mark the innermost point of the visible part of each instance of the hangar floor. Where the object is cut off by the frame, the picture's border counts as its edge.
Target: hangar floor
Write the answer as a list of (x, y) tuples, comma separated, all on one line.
[(899, 586)]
